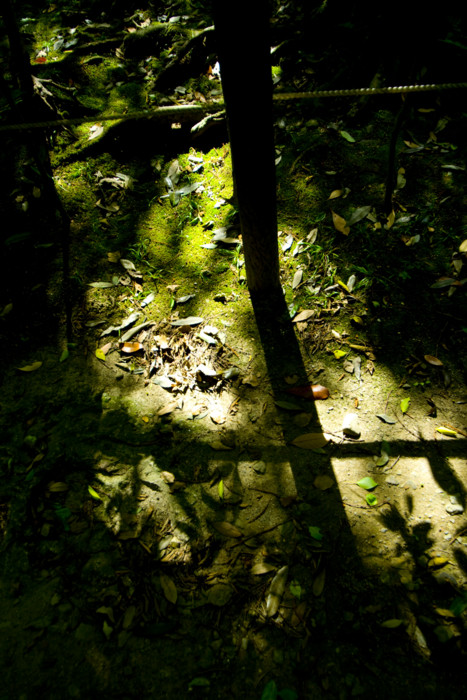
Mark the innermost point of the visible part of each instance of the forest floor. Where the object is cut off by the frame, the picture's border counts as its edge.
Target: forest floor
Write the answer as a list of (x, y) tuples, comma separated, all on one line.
[(197, 500)]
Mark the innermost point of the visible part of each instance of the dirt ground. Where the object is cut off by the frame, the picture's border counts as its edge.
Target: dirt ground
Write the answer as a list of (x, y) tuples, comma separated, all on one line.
[(234, 503)]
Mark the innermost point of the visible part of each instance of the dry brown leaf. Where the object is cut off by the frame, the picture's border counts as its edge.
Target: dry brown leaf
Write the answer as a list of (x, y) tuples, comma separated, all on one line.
[(168, 408), (227, 529), (340, 223), (218, 445)]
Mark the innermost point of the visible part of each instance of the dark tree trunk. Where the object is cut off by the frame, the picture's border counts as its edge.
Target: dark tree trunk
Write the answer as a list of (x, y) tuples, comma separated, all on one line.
[(242, 28)]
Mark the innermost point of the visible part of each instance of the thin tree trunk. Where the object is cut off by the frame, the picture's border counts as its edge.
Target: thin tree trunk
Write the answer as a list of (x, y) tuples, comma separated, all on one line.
[(242, 28)]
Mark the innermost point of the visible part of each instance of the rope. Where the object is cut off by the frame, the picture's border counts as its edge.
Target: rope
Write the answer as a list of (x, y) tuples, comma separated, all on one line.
[(201, 109), (367, 91)]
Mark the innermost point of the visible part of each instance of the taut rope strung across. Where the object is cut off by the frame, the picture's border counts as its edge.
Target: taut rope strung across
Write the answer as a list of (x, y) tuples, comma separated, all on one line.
[(201, 109)]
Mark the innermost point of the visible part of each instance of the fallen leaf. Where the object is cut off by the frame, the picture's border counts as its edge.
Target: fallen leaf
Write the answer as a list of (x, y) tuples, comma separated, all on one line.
[(315, 532), (304, 315), (57, 487), (323, 482), (312, 236), (433, 361), (168, 408), (288, 405), (437, 562), (392, 624), (371, 499), (405, 405), (367, 483), (287, 243), (169, 588), (310, 441), (334, 194), (101, 285), (188, 321), (338, 354), (401, 181), (297, 278), (345, 135), (390, 220), (358, 215), (227, 529), (302, 419), (31, 368), (382, 459), (219, 594), (443, 282), (318, 583), (219, 446), (128, 617), (446, 431), (340, 223), (385, 418), (128, 265), (94, 494), (100, 354), (276, 591), (261, 568)]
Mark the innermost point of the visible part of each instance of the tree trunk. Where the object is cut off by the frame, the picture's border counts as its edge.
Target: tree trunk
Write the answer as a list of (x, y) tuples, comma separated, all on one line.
[(242, 28)]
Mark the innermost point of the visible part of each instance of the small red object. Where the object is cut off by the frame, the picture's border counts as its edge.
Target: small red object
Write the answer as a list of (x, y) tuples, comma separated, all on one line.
[(312, 392)]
